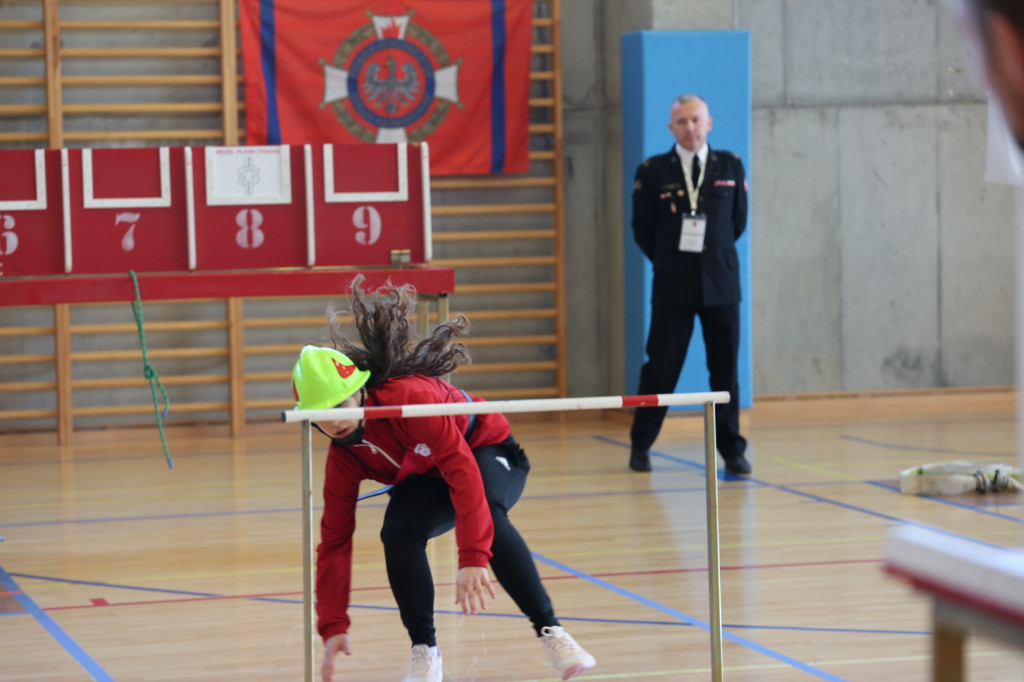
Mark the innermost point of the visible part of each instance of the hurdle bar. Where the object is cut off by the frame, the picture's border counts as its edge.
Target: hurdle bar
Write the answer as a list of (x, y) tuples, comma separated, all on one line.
[(708, 400)]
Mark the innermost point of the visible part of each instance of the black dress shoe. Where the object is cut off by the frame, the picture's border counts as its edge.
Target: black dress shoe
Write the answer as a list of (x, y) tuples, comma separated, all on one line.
[(639, 460), (737, 465)]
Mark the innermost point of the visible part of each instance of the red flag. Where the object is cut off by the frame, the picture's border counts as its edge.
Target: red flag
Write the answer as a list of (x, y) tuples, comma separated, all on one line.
[(453, 73)]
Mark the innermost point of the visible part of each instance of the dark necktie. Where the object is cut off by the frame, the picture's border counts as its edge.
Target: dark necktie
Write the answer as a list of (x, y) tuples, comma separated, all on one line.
[(695, 173)]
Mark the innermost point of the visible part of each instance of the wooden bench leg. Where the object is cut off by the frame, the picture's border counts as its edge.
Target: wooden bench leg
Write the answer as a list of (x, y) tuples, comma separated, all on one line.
[(947, 653)]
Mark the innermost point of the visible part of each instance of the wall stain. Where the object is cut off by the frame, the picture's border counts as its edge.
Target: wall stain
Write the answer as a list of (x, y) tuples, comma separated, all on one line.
[(911, 368)]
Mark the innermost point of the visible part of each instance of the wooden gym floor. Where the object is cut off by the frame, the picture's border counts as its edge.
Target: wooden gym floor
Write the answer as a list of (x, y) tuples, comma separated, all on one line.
[(114, 567)]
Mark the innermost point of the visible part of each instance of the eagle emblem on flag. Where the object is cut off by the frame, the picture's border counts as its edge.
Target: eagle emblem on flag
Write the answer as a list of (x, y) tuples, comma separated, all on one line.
[(391, 80)]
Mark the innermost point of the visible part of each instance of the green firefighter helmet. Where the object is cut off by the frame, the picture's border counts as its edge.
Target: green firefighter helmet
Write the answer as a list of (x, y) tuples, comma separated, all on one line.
[(324, 377)]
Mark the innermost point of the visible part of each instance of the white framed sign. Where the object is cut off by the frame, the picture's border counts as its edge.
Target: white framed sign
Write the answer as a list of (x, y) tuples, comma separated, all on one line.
[(238, 176)]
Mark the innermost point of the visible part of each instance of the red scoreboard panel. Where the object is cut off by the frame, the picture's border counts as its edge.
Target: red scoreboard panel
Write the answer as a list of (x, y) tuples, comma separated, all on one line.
[(31, 213), (369, 204), (249, 208), (127, 210)]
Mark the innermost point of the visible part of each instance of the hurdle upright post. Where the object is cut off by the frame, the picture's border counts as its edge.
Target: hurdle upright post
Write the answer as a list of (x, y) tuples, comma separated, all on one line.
[(714, 569), (308, 618)]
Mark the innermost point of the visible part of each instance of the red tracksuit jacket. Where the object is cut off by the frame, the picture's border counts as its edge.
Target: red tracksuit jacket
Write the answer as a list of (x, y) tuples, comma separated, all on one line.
[(391, 451)]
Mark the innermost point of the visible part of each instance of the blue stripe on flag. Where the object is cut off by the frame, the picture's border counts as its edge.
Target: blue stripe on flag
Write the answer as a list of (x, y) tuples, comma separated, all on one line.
[(267, 52), (498, 86)]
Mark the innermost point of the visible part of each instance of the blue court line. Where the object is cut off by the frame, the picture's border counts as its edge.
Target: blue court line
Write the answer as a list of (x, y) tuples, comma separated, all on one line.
[(953, 503), (78, 653), (799, 665)]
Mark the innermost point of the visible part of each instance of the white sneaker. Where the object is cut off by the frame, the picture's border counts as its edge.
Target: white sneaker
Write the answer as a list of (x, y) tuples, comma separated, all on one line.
[(425, 665), (568, 657)]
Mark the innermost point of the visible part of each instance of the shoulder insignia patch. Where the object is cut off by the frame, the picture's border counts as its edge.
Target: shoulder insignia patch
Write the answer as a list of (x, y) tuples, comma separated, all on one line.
[(638, 185)]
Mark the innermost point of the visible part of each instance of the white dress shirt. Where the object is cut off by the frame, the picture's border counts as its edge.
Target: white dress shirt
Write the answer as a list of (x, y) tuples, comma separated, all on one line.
[(686, 156)]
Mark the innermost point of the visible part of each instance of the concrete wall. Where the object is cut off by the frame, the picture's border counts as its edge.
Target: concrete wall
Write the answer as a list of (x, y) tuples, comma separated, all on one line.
[(881, 259)]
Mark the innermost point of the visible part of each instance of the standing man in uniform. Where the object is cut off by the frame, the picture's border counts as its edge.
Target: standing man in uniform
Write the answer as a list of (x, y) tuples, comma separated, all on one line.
[(689, 208)]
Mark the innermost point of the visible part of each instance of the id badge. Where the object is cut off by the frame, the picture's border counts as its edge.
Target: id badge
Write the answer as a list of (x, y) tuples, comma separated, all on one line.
[(692, 237)]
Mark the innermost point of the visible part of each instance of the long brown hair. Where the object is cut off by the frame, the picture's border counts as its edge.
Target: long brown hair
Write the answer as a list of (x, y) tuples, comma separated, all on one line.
[(381, 320)]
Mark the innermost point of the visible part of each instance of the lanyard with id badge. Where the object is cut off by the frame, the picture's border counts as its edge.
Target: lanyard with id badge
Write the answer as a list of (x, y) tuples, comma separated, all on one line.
[(691, 239)]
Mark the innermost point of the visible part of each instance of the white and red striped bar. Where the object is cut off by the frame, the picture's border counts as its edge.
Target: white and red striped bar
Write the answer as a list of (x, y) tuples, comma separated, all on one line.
[(506, 406)]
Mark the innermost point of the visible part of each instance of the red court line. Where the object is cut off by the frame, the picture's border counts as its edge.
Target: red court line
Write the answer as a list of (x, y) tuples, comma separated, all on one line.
[(98, 602), (94, 603)]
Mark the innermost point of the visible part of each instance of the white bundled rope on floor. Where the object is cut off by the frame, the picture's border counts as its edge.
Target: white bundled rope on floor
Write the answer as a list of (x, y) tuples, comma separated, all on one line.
[(957, 478)]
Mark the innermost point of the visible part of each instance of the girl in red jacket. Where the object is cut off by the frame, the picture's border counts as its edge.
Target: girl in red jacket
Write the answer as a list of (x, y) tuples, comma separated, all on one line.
[(461, 472)]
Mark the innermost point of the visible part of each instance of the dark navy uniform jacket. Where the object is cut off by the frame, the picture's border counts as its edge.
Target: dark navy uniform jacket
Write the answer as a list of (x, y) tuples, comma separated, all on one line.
[(683, 278)]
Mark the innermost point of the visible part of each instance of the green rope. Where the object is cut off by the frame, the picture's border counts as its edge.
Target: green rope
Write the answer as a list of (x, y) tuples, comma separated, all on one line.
[(150, 373)]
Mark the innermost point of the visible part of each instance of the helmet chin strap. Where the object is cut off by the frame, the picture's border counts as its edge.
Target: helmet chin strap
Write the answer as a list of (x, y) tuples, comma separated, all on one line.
[(356, 436)]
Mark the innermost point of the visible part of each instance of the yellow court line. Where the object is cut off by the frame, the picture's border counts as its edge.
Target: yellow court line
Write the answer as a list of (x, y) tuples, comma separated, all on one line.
[(701, 547), (818, 470)]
